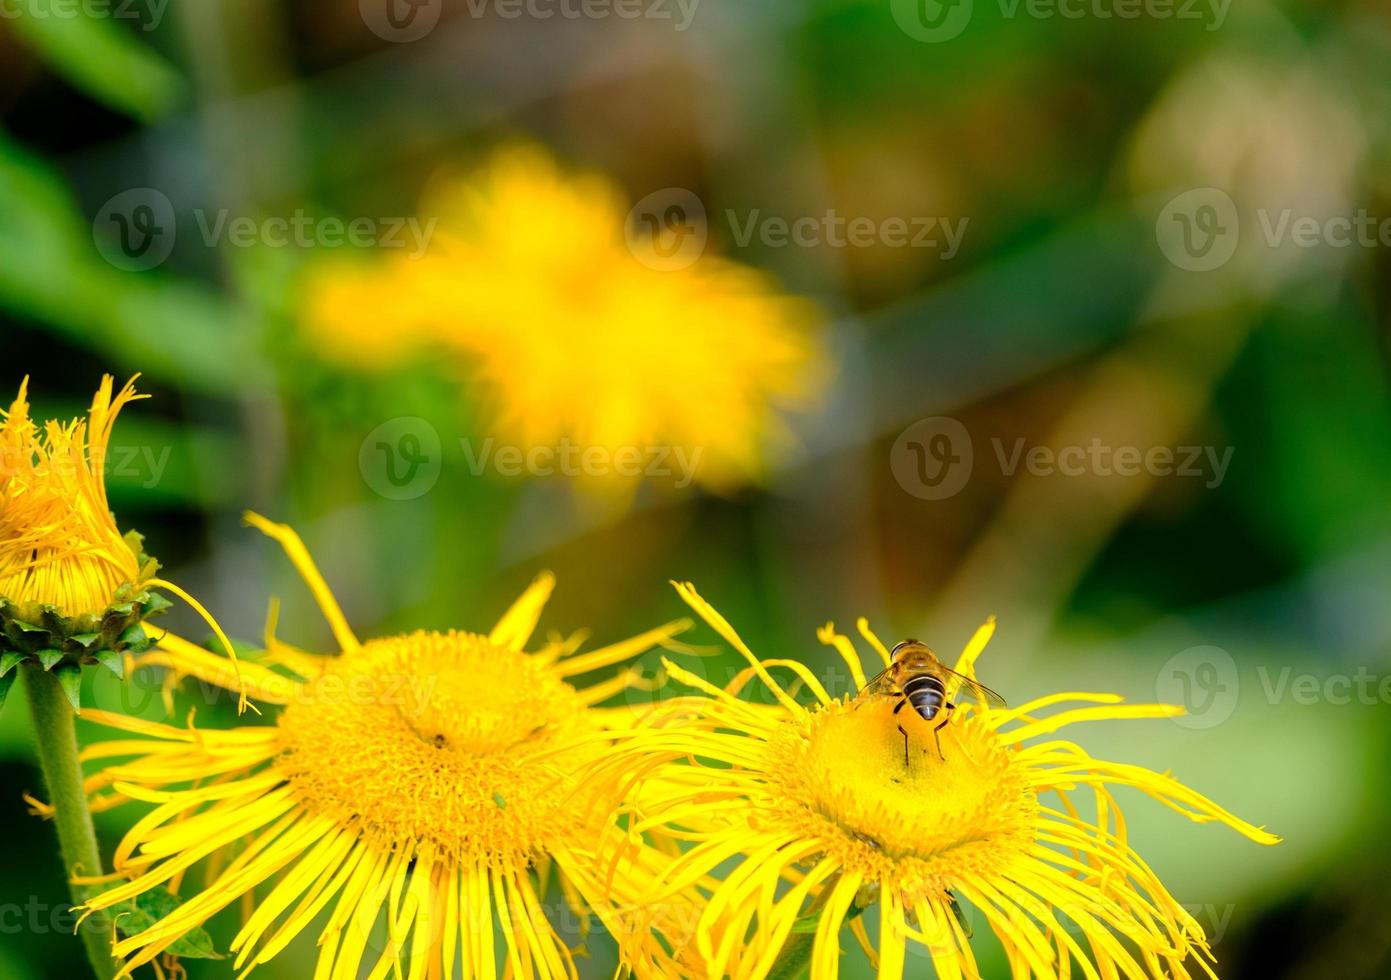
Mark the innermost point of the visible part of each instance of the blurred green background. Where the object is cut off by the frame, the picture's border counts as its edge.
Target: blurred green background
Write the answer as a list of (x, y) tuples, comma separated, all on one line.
[(1071, 314)]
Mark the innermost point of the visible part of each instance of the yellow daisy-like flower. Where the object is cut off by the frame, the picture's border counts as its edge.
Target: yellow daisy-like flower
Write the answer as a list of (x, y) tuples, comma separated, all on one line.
[(531, 286), (60, 546), (826, 818), (420, 789), (73, 588)]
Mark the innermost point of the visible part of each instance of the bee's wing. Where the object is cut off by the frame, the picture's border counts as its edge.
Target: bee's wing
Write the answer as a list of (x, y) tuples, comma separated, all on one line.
[(972, 690), (880, 683)]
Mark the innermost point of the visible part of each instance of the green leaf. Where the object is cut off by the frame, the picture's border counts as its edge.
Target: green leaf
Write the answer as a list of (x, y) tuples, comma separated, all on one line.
[(112, 661), (70, 677), (6, 682), (50, 658), (156, 604), (8, 661), (135, 637), (152, 322), (149, 908), (101, 56)]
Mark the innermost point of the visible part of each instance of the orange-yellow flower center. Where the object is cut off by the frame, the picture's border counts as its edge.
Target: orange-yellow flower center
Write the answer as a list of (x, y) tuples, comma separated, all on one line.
[(842, 777), (444, 738)]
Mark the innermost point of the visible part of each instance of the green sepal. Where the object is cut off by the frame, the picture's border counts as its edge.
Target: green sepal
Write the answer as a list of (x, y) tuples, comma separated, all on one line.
[(8, 659), (29, 629), (48, 659), (112, 661), (70, 677), (6, 682), (148, 909)]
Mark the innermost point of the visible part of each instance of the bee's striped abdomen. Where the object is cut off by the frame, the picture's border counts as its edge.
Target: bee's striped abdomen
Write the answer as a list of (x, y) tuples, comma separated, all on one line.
[(926, 694)]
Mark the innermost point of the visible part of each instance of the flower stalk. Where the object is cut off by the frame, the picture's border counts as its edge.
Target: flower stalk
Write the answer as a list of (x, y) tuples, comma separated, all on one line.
[(56, 736)]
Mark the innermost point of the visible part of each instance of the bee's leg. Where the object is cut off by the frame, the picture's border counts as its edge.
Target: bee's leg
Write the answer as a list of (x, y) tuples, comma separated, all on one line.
[(901, 730), (936, 729)]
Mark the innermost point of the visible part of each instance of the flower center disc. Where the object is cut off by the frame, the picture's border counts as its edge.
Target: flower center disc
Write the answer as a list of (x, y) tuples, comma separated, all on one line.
[(847, 774), (440, 737)]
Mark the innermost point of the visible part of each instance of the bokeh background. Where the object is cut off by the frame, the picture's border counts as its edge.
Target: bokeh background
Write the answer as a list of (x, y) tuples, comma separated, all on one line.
[(1126, 278)]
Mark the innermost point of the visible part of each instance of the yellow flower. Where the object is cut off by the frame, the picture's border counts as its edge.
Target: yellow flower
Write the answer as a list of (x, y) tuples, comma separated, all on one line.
[(73, 588), (827, 818), (60, 545), (424, 786), (530, 286)]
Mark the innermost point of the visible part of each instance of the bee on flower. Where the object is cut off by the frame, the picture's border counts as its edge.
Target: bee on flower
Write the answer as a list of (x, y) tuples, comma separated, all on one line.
[(822, 812)]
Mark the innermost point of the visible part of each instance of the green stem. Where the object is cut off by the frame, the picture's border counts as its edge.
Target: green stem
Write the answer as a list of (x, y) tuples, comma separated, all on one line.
[(77, 839), (796, 953), (795, 956)]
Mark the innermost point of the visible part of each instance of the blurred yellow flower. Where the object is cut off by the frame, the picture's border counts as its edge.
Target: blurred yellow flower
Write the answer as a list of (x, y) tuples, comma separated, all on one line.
[(530, 286), (826, 818), (421, 788)]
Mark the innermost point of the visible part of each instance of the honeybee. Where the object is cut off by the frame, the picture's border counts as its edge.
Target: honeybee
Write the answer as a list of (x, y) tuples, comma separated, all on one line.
[(916, 677)]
